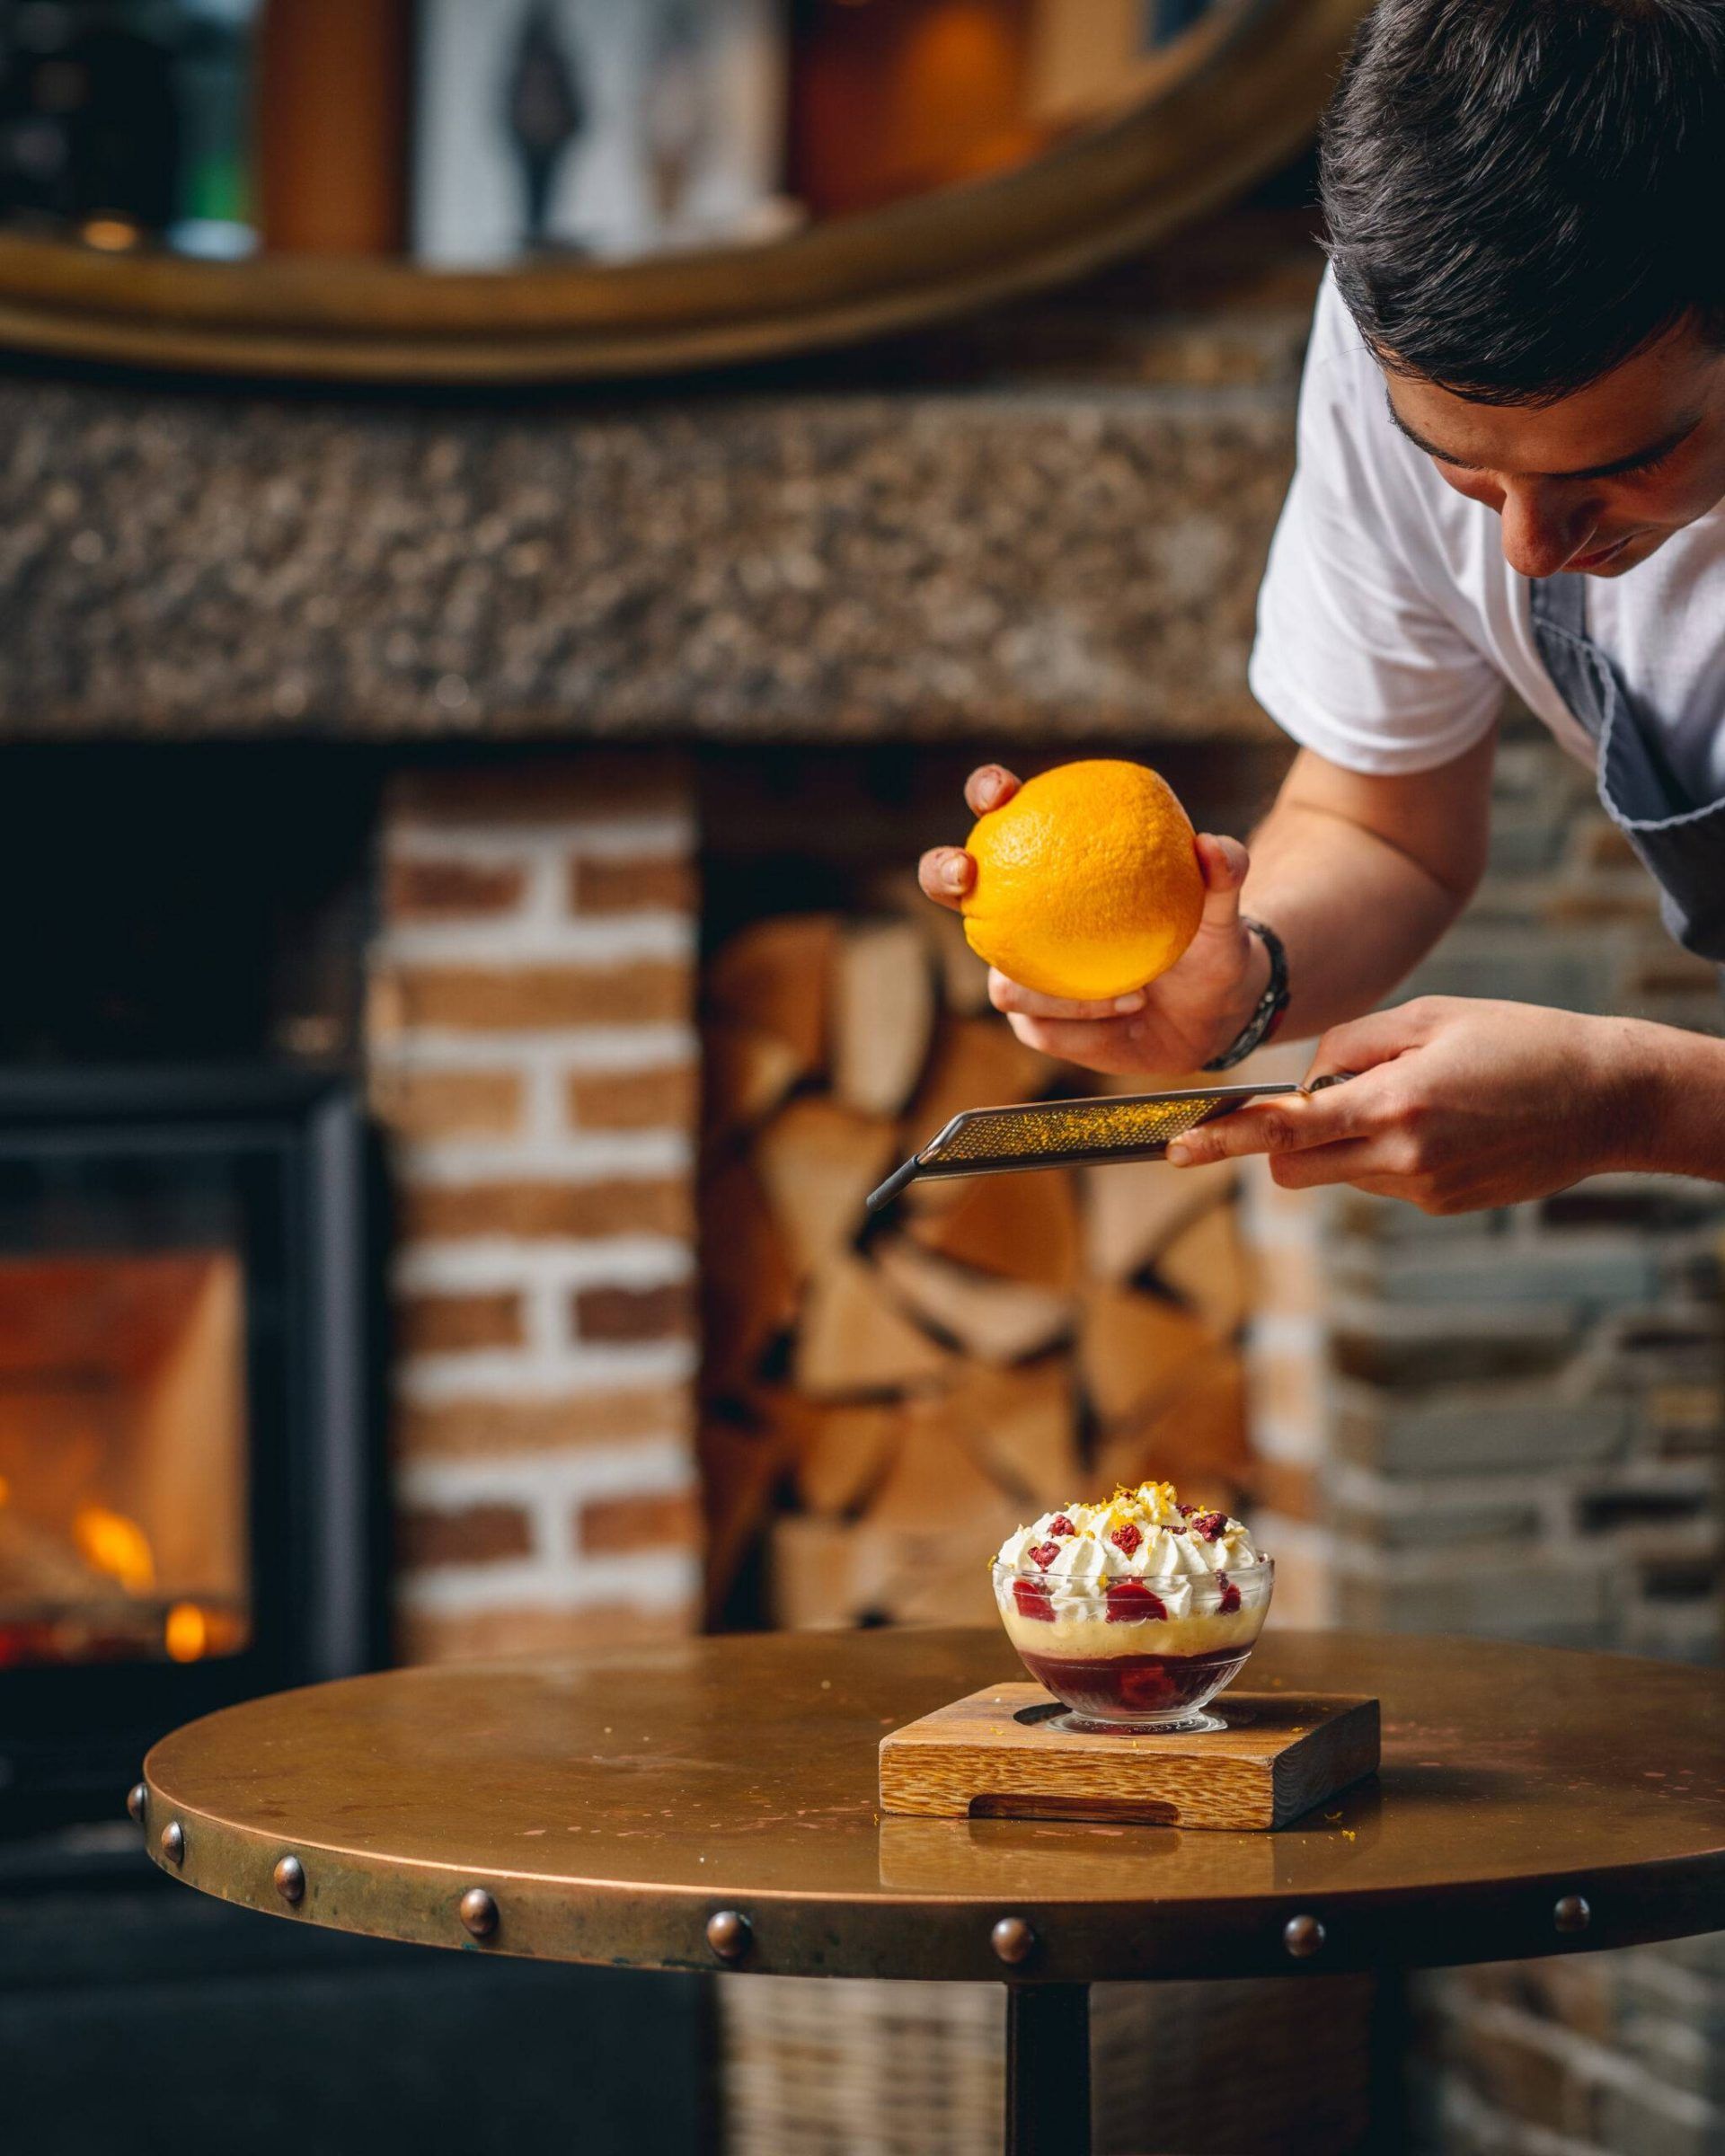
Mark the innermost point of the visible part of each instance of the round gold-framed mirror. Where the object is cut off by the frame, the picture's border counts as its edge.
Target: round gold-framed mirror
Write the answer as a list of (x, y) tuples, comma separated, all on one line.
[(1225, 105)]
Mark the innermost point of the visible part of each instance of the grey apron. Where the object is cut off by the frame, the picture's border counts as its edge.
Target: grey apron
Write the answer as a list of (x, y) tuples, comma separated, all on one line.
[(1680, 840)]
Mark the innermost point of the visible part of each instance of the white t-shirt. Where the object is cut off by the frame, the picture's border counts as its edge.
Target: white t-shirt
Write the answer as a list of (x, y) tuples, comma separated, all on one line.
[(1389, 619)]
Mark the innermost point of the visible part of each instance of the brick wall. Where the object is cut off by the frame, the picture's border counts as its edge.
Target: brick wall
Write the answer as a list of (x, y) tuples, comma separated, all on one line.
[(1517, 1418), (533, 1060)]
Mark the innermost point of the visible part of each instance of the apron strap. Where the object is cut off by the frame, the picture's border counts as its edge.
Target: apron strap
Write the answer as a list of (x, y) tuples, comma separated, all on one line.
[(1558, 609), (1680, 840), (1559, 603)]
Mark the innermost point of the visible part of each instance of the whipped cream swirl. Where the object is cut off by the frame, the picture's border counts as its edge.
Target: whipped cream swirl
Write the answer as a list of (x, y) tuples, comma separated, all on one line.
[(1141, 1534)]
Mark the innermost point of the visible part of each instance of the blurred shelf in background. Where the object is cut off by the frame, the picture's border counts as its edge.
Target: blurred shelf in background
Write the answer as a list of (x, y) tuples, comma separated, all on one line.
[(444, 190)]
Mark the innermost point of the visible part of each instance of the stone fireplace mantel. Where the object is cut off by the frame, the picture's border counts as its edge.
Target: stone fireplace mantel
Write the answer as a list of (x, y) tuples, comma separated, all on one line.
[(1061, 531)]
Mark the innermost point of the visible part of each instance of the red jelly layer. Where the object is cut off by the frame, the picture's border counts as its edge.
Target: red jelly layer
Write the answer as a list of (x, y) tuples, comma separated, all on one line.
[(1115, 1687)]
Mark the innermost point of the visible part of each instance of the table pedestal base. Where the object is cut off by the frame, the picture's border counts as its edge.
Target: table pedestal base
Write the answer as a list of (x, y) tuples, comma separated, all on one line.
[(1048, 2070)]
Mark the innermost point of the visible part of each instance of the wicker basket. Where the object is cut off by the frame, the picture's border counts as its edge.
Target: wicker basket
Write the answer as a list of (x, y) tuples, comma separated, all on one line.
[(836, 2068)]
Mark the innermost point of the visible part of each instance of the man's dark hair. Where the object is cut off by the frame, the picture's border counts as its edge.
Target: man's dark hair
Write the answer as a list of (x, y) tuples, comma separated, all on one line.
[(1522, 194)]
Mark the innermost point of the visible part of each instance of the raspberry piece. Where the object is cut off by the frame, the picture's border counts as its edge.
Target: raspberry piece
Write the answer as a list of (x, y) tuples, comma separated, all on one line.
[(1209, 1525), (1186, 1511), (1126, 1539), (1043, 1553), (1130, 1602), (1034, 1600), (1230, 1593), (1061, 1524)]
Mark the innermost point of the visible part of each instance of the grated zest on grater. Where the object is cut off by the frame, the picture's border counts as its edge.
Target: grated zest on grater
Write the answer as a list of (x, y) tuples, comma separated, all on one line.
[(1063, 1134)]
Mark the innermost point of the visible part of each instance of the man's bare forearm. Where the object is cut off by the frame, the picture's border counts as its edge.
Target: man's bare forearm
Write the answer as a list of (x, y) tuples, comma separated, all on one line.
[(1360, 877), (1355, 915), (1671, 1110)]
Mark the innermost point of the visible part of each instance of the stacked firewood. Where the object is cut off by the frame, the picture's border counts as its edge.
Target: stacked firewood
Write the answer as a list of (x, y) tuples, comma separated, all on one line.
[(884, 1399)]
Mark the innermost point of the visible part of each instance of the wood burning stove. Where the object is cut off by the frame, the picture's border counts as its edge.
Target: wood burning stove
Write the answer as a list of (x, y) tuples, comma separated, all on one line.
[(186, 1472)]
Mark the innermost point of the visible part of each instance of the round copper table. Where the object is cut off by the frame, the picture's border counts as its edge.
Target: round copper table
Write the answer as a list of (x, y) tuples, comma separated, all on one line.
[(711, 1805)]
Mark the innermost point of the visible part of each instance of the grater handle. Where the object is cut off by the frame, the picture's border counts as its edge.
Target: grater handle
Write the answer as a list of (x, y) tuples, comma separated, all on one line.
[(899, 1179)]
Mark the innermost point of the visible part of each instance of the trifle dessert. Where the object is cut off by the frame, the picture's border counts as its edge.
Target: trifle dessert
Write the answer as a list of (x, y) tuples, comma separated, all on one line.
[(1136, 1613)]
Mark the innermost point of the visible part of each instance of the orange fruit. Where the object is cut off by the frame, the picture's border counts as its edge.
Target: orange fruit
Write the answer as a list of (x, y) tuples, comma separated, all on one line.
[(1087, 882)]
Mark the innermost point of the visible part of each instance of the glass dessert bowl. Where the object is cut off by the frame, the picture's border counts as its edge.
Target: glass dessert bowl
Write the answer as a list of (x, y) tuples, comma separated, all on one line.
[(1134, 1613)]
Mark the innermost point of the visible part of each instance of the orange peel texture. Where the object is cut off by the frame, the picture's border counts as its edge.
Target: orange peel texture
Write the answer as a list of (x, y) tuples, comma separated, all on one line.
[(1087, 884)]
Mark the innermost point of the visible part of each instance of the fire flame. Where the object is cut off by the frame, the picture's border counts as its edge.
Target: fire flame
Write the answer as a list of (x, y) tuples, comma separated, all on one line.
[(111, 1543), (186, 1633)]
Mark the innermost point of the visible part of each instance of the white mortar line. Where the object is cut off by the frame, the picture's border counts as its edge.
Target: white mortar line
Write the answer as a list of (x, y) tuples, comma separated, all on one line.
[(549, 1329), (1282, 1332), (624, 839), (547, 1118), (1350, 1310), (1303, 1538), (661, 1465), (601, 1158), (1555, 1503), (1292, 1443), (520, 940), (1455, 1561), (518, 1373), (669, 834), (1398, 1495), (1358, 1486), (1264, 1229), (649, 1580), (547, 896), (663, 1045), (503, 1262), (590, 1376)]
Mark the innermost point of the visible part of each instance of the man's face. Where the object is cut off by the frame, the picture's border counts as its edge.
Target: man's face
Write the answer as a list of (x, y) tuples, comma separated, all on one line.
[(1599, 481)]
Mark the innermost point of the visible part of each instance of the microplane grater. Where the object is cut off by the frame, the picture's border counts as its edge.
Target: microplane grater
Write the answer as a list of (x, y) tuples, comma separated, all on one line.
[(1065, 1134)]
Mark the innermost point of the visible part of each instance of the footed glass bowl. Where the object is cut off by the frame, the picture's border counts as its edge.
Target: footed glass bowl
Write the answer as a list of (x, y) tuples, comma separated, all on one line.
[(1134, 1655)]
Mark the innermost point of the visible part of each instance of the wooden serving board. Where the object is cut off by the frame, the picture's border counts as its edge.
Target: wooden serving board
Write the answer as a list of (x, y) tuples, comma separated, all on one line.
[(994, 1754)]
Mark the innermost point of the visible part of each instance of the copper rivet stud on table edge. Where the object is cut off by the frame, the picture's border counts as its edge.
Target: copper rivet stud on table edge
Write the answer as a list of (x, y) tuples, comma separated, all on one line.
[(730, 1934), (1012, 1939), (479, 1912), (137, 1798), (173, 1842), (1572, 1912), (1302, 1936), (289, 1877)]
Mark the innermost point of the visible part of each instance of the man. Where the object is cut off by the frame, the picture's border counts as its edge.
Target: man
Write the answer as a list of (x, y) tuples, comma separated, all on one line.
[(1511, 468)]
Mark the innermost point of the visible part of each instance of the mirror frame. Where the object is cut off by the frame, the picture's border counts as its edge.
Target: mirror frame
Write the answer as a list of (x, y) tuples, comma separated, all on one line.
[(1252, 96)]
